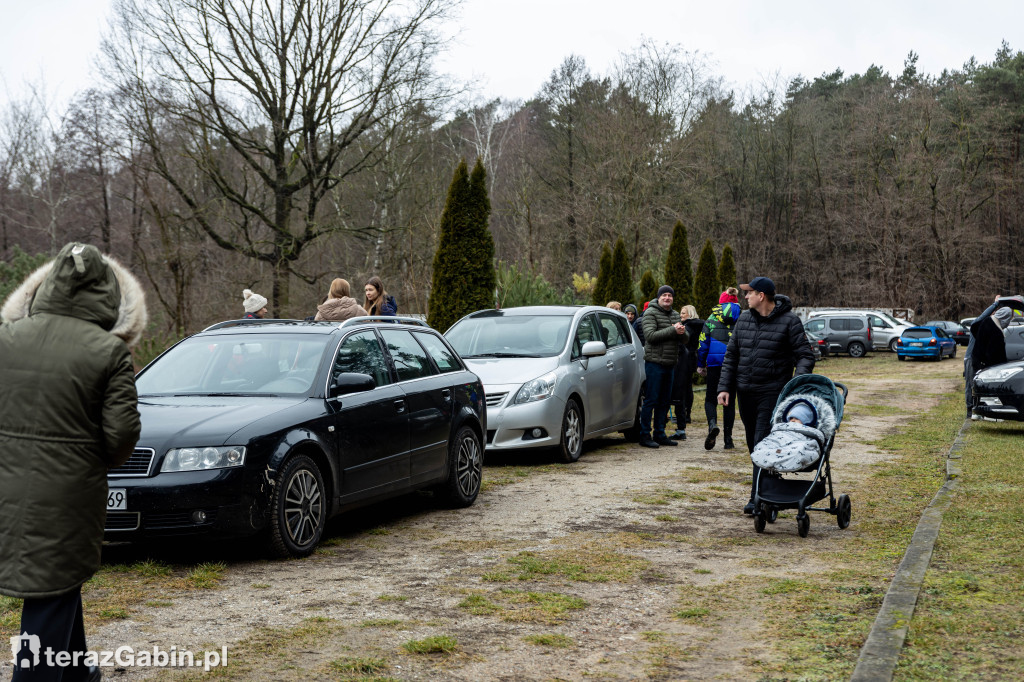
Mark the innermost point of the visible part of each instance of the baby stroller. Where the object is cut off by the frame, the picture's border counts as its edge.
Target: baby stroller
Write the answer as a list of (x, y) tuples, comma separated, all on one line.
[(772, 491)]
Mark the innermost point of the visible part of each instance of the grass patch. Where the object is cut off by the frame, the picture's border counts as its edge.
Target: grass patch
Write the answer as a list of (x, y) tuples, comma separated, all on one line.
[(589, 562), (521, 606), (439, 644), (696, 612), (159, 603), (260, 586), (349, 665), (385, 624), (392, 597), (552, 640), (666, 517), (968, 620), (497, 476), (205, 576)]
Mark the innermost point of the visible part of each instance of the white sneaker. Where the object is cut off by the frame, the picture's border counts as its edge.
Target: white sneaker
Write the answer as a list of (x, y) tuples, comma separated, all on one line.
[(975, 417)]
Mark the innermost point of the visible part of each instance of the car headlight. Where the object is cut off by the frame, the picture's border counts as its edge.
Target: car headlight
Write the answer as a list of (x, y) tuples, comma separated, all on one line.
[(538, 389), (201, 459), (998, 374)]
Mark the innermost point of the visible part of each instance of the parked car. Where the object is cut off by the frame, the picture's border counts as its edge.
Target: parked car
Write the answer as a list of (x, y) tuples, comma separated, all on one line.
[(999, 391), (818, 345), (844, 332), (885, 328), (954, 330), (275, 426), (555, 376), (925, 342)]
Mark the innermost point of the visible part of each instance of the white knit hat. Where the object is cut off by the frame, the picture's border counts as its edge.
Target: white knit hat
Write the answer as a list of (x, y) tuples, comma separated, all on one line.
[(253, 303)]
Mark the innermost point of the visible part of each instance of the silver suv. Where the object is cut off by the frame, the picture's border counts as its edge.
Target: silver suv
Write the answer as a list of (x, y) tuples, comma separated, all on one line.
[(844, 332)]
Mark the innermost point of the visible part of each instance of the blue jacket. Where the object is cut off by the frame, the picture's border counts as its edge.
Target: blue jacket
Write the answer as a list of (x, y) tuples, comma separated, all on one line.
[(714, 338)]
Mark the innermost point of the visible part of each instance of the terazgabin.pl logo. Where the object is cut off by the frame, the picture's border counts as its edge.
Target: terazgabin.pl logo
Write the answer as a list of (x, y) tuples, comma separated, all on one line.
[(25, 651)]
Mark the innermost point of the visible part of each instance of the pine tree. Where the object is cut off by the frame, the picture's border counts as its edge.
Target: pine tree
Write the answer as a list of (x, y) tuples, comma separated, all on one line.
[(648, 288), (727, 269), (678, 270), (620, 284), (604, 276), (705, 287), (463, 278)]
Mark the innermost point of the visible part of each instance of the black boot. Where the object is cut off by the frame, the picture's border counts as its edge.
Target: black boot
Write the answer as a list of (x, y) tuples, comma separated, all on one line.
[(709, 442), (727, 441)]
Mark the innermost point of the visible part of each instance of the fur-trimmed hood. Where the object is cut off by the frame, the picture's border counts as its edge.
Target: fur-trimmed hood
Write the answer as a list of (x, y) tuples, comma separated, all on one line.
[(82, 282), (826, 415)]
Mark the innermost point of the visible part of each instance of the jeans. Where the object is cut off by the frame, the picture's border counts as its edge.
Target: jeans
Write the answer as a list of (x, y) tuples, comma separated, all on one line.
[(657, 396), (57, 621), (711, 402), (756, 409)]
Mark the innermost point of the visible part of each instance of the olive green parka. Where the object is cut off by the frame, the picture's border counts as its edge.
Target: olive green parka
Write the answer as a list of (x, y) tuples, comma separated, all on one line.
[(68, 412), (661, 341)]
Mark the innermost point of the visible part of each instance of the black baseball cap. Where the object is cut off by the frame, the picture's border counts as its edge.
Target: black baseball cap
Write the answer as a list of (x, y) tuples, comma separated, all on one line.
[(762, 284)]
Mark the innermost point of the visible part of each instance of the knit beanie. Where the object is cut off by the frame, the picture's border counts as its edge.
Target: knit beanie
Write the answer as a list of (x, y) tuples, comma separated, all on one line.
[(666, 289), (1003, 316), (803, 411), (726, 297), (253, 303)]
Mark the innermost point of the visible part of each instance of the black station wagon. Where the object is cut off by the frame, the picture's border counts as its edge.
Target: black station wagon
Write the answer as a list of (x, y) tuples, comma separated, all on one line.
[(273, 426)]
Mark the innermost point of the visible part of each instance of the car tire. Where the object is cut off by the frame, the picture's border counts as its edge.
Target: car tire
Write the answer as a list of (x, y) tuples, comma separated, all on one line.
[(901, 358), (298, 511), (465, 469), (632, 434), (892, 345), (856, 349), (952, 353), (570, 446)]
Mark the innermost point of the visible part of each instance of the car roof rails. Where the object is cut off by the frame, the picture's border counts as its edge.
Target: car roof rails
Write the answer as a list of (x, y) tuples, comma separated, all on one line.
[(384, 318), (251, 323)]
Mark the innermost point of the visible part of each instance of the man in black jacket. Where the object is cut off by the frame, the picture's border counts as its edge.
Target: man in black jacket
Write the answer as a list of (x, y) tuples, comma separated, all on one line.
[(767, 345)]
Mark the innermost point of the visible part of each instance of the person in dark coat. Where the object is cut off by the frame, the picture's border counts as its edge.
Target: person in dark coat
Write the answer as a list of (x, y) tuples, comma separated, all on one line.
[(662, 333), (686, 365), (989, 341), (68, 413), (768, 343), (378, 301), (632, 315), (969, 367)]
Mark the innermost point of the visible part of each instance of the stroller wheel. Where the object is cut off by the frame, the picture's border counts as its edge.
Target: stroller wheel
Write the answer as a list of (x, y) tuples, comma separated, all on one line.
[(759, 522), (843, 511), (773, 513), (803, 524)]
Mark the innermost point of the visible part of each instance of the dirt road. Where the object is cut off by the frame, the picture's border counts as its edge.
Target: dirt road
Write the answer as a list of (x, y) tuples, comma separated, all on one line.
[(558, 572)]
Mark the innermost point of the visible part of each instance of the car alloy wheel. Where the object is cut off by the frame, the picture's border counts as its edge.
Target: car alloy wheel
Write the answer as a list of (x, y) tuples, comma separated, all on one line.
[(571, 446), (856, 350), (298, 515), (892, 345), (465, 469)]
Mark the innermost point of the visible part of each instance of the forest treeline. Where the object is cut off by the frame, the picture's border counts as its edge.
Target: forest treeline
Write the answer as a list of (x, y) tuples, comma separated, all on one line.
[(225, 149)]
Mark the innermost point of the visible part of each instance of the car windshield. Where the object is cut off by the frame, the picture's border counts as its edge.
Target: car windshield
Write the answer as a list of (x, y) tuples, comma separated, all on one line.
[(917, 334), (236, 364), (510, 336)]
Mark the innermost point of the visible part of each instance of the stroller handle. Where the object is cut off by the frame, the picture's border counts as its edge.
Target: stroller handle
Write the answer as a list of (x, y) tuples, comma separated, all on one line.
[(841, 387)]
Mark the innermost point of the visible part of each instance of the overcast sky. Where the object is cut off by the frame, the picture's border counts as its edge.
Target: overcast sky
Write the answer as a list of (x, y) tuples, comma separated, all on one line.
[(511, 46)]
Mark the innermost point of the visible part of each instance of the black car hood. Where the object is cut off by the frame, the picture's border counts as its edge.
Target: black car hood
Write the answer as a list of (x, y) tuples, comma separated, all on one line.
[(190, 421), (1006, 365)]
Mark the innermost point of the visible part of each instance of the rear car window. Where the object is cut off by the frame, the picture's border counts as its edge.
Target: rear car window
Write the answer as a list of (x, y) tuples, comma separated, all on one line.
[(917, 334), (410, 359), (442, 356)]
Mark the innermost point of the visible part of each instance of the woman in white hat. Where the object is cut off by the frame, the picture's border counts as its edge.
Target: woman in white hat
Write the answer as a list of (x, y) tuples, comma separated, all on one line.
[(255, 305)]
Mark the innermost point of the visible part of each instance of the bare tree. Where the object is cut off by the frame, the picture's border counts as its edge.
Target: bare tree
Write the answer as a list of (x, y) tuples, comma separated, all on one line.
[(273, 97)]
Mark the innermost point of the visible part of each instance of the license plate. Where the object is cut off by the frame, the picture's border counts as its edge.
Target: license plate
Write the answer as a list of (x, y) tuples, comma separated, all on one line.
[(917, 344), (117, 499)]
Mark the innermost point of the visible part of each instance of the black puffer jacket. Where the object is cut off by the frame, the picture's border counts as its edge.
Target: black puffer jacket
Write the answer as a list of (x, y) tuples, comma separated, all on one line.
[(764, 351)]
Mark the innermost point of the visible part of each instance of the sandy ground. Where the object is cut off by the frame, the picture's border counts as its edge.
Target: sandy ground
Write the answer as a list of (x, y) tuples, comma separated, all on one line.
[(676, 510)]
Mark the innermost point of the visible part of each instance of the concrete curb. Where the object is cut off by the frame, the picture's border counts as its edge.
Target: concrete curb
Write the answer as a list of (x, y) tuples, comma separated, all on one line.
[(881, 651)]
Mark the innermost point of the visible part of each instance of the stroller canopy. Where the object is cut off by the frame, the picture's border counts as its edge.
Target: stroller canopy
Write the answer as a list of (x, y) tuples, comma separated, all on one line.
[(816, 385)]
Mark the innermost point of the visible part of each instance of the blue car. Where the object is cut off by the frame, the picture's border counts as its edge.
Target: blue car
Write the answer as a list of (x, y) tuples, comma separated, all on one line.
[(925, 342)]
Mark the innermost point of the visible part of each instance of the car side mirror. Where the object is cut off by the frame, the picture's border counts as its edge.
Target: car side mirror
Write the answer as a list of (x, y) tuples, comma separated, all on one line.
[(593, 348), (351, 382)]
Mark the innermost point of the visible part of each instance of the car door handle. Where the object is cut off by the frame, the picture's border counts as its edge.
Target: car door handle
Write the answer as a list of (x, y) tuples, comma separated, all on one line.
[(446, 394), (399, 406), (610, 364), (632, 355)]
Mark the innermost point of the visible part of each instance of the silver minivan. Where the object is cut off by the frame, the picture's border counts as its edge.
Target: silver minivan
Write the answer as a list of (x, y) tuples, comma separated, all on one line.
[(554, 376), (844, 332)]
